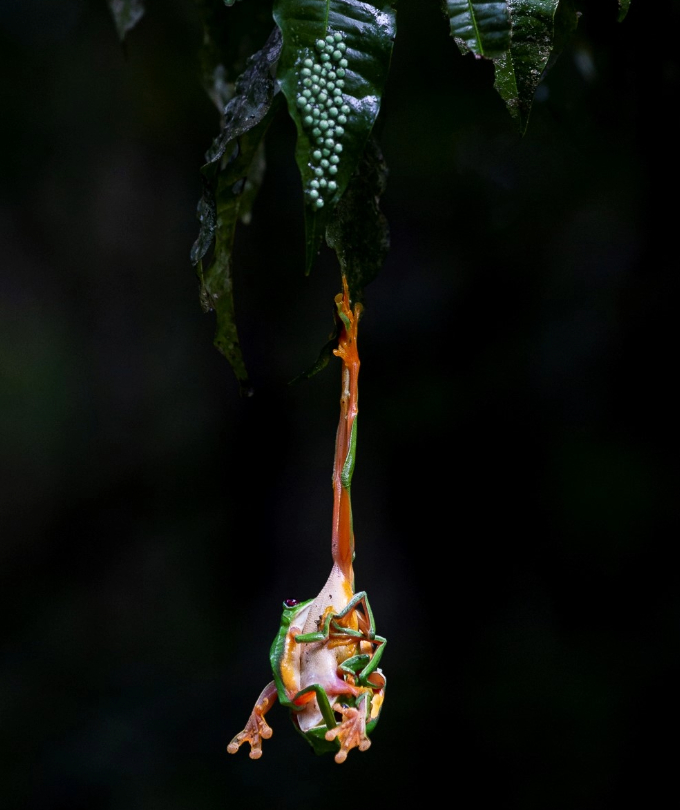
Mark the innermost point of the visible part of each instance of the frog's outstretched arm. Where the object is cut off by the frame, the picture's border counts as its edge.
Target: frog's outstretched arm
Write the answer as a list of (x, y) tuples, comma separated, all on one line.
[(342, 543)]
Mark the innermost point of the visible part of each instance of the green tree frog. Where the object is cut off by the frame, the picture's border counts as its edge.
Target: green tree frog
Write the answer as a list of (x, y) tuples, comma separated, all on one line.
[(326, 653)]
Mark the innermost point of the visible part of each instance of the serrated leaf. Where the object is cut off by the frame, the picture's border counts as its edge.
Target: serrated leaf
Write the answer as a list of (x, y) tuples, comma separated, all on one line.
[(519, 70), (481, 27), (231, 178), (358, 231), (126, 14), (363, 34)]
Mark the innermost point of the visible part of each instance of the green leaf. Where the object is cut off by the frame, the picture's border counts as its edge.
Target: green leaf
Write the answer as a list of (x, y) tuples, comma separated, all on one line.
[(624, 5), (359, 235), (229, 37), (321, 361), (254, 94), (518, 71), (363, 35), (231, 178), (126, 14), (358, 231), (481, 27)]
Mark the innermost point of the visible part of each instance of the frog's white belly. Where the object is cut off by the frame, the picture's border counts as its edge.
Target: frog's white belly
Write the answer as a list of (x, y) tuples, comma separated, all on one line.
[(318, 662)]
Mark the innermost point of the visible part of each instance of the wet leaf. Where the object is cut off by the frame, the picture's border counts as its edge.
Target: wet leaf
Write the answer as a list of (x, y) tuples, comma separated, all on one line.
[(481, 27), (230, 36), (231, 178), (519, 70), (358, 231), (355, 39), (126, 14)]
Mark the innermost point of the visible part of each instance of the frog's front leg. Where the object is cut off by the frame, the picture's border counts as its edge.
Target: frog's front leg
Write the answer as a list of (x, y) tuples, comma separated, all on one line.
[(352, 623), (257, 728), (331, 623)]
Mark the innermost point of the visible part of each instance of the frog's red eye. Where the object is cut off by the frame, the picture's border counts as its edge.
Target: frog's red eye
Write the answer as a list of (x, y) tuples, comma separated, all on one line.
[(291, 602)]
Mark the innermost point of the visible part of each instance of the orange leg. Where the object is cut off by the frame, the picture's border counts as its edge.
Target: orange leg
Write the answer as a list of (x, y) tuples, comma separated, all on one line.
[(257, 728), (347, 351)]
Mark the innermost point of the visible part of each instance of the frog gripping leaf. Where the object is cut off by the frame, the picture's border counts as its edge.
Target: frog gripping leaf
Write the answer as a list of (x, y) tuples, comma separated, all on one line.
[(325, 657)]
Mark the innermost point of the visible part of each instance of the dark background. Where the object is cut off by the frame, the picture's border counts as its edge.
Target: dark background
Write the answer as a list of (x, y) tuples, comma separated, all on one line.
[(515, 494)]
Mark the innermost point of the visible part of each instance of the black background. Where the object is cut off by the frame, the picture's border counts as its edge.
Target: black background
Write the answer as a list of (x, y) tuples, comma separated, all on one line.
[(515, 494)]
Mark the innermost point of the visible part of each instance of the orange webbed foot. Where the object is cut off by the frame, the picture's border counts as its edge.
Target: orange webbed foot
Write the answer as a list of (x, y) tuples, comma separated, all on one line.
[(351, 732), (257, 728)]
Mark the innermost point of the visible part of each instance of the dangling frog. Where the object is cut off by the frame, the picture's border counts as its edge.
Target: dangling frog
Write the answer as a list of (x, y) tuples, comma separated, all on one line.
[(325, 656)]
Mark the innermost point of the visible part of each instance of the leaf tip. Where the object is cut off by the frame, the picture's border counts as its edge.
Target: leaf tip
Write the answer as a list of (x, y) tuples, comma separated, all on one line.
[(126, 14)]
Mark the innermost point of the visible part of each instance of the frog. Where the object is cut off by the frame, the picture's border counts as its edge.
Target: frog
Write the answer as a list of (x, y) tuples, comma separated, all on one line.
[(326, 655)]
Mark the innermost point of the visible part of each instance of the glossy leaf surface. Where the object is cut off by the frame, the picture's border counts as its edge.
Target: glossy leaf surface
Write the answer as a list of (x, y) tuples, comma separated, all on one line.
[(358, 41), (519, 70), (229, 37), (481, 27), (231, 177), (331, 59)]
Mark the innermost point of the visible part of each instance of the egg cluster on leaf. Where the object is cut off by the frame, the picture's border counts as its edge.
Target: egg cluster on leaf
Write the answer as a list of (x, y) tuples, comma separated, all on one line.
[(324, 111)]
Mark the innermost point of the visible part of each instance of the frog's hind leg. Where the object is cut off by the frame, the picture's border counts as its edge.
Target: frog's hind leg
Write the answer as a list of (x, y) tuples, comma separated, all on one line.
[(351, 731), (257, 728)]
